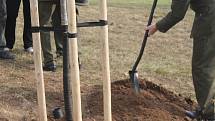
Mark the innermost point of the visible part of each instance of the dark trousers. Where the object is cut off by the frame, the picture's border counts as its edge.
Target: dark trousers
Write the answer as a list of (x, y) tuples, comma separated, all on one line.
[(12, 13)]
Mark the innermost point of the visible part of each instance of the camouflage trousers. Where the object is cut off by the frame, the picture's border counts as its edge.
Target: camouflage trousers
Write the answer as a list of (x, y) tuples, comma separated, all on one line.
[(3, 17), (203, 61)]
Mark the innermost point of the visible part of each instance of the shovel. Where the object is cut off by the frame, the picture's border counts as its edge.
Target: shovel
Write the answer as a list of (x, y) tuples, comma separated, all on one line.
[(133, 73)]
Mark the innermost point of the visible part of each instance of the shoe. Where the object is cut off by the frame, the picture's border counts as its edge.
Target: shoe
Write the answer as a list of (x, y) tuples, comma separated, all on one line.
[(197, 114), (6, 55), (7, 49), (191, 114), (82, 2), (50, 67), (29, 50)]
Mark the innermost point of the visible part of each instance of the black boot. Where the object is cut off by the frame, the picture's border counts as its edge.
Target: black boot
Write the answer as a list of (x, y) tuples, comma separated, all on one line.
[(197, 114), (6, 55), (50, 67)]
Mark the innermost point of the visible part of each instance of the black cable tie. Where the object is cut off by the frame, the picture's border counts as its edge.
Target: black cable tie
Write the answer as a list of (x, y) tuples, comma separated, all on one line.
[(62, 28), (35, 29), (72, 35), (93, 24), (103, 22), (49, 1)]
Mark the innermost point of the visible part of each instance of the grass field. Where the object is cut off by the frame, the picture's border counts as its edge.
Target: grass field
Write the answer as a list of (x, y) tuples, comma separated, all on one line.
[(166, 60)]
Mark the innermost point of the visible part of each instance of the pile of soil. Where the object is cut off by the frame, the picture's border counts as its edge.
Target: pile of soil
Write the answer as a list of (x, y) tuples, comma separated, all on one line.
[(153, 103)]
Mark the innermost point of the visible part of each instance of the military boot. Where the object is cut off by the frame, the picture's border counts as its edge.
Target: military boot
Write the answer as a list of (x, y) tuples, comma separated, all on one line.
[(198, 115), (50, 67), (192, 114)]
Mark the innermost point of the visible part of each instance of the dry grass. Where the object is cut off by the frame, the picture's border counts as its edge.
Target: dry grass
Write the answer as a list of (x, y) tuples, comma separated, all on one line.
[(166, 60), (167, 57)]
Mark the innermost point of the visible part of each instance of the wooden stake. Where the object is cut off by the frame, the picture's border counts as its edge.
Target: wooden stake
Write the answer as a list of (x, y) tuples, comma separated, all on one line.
[(38, 62), (105, 63), (73, 49)]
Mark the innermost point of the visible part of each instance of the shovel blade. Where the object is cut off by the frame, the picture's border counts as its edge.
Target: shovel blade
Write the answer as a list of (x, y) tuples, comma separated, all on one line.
[(134, 80)]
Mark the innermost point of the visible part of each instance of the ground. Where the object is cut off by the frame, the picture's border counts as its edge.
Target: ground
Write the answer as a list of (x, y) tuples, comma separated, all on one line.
[(166, 63)]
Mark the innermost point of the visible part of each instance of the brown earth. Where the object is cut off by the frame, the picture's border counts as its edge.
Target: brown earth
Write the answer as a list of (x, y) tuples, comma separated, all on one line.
[(153, 103)]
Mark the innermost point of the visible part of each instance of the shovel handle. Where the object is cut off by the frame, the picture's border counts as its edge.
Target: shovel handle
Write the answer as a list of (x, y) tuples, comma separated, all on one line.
[(145, 37)]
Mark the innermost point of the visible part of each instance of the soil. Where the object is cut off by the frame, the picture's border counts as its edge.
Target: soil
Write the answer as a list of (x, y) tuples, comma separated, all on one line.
[(153, 103)]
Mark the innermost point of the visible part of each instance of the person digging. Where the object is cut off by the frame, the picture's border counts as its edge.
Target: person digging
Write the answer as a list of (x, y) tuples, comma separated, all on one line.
[(203, 60)]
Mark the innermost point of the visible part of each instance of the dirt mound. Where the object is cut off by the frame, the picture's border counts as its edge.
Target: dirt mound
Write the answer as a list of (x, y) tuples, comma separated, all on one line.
[(154, 103)]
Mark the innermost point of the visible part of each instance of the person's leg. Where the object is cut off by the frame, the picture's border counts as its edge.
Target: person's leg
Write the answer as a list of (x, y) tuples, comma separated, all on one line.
[(27, 35), (203, 68), (58, 36), (45, 12), (3, 16), (12, 13)]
